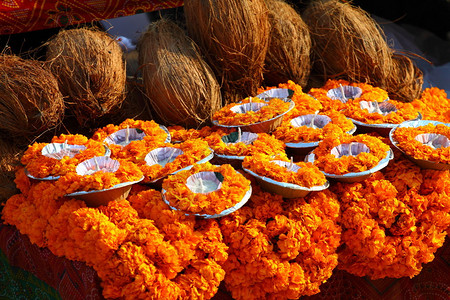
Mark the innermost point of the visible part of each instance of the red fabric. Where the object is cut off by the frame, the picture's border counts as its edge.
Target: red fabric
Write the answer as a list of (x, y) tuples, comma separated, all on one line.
[(17, 16), (75, 280), (72, 279)]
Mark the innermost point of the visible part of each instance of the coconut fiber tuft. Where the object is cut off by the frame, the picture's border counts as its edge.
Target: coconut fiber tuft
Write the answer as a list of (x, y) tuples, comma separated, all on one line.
[(288, 56), (9, 162), (181, 86), (233, 35), (30, 101), (349, 44), (90, 69), (405, 82)]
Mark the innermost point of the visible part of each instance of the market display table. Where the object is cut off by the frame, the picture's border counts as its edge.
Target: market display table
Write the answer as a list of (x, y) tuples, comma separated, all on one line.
[(76, 280)]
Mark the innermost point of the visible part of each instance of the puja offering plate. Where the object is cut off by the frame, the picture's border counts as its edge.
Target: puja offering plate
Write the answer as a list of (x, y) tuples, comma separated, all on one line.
[(207, 182), (344, 93), (382, 129), (97, 198), (286, 190), (266, 126), (433, 140), (352, 149)]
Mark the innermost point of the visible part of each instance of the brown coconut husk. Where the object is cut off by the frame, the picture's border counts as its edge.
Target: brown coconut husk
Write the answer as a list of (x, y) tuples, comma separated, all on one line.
[(90, 69), (288, 55), (233, 36), (136, 104), (347, 44), (30, 101), (10, 155), (405, 82), (181, 86)]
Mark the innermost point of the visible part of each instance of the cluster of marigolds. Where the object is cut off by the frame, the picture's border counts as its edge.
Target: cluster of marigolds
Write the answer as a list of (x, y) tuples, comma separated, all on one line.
[(151, 245)]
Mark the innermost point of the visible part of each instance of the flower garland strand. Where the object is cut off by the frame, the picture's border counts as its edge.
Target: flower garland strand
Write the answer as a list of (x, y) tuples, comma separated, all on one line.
[(176, 257), (281, 249), (393, 225), (434, 104)]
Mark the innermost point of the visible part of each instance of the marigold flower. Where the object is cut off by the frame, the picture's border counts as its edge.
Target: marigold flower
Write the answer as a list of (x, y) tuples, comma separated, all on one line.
[(180, 134), (279, 252), (389, 232), (155, 135), (404, 112), (433, 105)]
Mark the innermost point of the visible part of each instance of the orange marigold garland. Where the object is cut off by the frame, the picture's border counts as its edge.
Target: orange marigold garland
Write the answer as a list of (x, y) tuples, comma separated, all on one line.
[(326, 161), (177, 257), (392, 233), (289, 133), (193, 151), (264, 143), (232, 188), (407, 141), (41, 166), (180, 134), (434, 104), (281, 249), (307, 176), (257, 113)]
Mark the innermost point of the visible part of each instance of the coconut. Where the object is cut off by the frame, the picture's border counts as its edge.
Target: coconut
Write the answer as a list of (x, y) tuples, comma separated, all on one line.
[(234, 37), (90, 69), (405, 82), (288, 56), (347, 43), (9, 161), (30, 101), (181, 86)]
